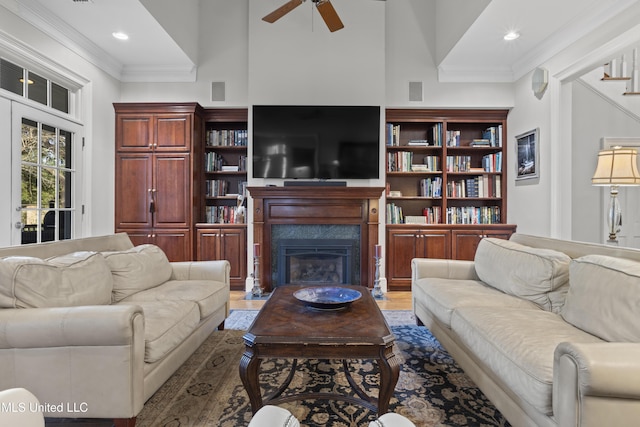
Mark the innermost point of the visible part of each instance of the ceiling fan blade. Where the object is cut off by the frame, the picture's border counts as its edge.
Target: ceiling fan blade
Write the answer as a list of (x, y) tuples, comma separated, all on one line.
[(329, 15), (282, 10)]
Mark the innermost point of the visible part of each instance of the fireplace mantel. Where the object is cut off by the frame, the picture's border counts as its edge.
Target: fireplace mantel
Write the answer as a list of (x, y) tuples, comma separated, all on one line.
[(316, 205)]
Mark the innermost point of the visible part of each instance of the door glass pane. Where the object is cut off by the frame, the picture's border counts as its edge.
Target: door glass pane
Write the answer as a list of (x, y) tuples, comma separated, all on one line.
[(29, 141), (29, 187), (64, 190), (48, 142), (11, 77), (47, 177), (37, 88), (64, 154), (48, 188)]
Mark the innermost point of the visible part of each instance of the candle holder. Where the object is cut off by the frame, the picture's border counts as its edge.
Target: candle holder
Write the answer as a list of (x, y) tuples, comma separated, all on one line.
[(256, 290), (377, 290)]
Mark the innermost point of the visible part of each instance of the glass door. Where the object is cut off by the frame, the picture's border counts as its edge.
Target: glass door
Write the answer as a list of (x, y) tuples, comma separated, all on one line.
[(46, 187)]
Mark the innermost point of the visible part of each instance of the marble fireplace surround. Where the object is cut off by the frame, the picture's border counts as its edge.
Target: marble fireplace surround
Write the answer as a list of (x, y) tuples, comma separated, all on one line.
[(316, 205)]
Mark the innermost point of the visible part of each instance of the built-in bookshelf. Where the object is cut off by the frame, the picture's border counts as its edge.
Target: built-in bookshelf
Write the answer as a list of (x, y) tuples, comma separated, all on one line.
[(445, 166), (445, 185), (225, 167), (222, 230)]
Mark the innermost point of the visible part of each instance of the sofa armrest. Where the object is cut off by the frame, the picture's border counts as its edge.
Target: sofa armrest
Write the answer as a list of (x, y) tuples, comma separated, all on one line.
[(89, 358), (202, 270), (442, 268), (594, 384), (68, 326)]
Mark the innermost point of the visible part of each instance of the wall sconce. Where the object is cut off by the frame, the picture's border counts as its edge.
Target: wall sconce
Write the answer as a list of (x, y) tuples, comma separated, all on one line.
[(616, 167)]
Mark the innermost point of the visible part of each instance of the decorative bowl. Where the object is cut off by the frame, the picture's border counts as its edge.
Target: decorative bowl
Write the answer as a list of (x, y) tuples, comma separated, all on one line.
[(327, 297)]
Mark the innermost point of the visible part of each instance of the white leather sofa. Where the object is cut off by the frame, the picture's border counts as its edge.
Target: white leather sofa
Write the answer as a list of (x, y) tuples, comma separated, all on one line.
[(547, 328), (94, 326), (275, 416)]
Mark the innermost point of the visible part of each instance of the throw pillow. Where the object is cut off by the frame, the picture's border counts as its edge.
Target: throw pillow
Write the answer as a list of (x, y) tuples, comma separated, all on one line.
[(604, 296), (136, 269), (535, 274), (80, 278)]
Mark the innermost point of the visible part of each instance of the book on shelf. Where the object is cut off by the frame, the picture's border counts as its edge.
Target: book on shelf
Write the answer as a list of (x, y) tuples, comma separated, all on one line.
[(227, 138), (418, 142), (433, 214), (394, 214), (431, 187), (415, 219), (230, 168), (494, 135), (393, 135), (453, 138), (473, 215), (480, 142), (399, 161), (222, 215), (436, 134)]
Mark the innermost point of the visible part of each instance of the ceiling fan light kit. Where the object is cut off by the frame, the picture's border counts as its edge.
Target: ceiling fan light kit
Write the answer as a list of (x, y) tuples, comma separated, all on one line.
[(325, 8)]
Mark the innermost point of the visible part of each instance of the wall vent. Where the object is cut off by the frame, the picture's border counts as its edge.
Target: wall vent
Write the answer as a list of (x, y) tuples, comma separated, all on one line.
[(217, 91), (415, 91)]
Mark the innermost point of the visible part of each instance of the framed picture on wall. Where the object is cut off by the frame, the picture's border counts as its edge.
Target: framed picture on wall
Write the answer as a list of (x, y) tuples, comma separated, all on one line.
[(528, 155)]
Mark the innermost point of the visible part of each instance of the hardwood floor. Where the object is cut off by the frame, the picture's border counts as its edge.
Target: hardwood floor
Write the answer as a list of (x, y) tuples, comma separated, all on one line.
[(392, 301)]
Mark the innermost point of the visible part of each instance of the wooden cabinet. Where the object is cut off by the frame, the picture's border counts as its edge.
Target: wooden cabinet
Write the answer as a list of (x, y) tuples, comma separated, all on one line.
[(157, 174), (404, 244), (465, 242), (224, 242), (225, 170), (446, 185)]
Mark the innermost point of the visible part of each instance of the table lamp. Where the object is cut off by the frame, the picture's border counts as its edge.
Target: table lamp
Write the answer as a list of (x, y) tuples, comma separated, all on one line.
[(616, 167)]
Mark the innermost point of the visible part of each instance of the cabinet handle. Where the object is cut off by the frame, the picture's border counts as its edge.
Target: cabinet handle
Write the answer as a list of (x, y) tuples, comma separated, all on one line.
[(148, 236), (150, 146)]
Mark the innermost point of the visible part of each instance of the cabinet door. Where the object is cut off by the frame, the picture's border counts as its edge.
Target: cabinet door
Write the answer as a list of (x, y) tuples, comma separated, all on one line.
[(465, 244), (434, 244), (229, 244), (134, 132), (233, 248), (171, 191), (401, 249), (176, 244), (172, 132), (133, 187)]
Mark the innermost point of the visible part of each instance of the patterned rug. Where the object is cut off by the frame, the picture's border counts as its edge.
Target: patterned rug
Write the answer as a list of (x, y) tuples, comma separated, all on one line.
[(431, 391)]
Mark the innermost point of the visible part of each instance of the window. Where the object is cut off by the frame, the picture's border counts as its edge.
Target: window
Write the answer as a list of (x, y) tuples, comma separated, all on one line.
[(33, 86)]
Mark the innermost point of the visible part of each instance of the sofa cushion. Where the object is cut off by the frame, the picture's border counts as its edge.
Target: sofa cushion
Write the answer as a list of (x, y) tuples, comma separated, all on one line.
[(539, 275), (80, 278), (518, 347), (137, 269), (166, 325), (604, 296), (442, 296), (210, 295)]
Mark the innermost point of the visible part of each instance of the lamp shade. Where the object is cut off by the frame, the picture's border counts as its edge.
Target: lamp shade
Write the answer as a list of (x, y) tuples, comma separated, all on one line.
[(618, 166)]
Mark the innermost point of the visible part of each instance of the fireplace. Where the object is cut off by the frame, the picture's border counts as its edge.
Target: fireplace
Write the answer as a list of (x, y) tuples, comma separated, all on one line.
[(315, 261), (300, 212)]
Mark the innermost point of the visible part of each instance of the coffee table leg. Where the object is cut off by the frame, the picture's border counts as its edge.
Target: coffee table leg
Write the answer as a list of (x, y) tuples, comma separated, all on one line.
[(389, 373), (249, 366)]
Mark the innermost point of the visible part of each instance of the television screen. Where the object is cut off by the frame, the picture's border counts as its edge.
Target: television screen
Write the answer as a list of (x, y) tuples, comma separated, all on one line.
[(316, 142)]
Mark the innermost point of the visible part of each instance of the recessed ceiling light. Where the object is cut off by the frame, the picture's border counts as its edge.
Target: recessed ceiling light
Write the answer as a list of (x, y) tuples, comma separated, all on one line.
[(120, 35), (511, 35)]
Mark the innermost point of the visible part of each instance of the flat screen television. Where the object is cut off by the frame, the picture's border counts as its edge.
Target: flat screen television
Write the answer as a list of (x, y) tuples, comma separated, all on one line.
[(316, 142)]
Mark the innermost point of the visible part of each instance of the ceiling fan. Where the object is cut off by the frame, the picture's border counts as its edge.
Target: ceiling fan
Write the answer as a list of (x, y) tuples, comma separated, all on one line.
[(325, 8)]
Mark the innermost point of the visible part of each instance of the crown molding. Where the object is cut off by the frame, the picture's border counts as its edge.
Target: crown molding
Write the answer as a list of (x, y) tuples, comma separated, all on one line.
[(159, 74)]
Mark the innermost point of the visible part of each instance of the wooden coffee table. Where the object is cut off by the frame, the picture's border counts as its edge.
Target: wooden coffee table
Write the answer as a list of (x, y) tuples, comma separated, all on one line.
[(287, 328)]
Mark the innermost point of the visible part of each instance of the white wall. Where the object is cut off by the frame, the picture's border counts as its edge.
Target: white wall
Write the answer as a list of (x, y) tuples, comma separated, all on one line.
[(98, 119), (594, 118)]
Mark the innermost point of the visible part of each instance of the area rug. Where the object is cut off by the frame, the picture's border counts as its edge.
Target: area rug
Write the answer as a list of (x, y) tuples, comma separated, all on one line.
[(431, 391)]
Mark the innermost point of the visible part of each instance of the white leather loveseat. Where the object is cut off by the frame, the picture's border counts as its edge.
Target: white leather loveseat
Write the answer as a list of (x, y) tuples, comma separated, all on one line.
[(94, 326), (548, 329)]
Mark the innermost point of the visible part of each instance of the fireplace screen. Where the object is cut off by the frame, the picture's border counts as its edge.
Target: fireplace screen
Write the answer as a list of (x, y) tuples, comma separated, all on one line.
[(317, 261)]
